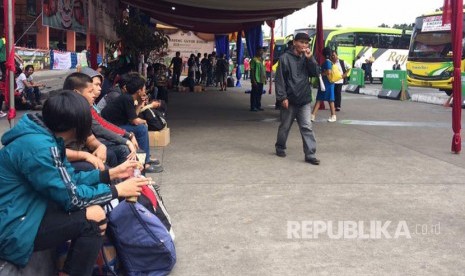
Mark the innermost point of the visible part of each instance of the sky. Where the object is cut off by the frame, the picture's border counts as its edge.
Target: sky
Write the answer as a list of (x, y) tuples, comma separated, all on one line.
[(361, 13)]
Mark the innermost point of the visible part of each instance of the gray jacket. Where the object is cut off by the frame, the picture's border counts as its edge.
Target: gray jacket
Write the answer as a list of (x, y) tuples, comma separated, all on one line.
[(292, 78), (104, 134)]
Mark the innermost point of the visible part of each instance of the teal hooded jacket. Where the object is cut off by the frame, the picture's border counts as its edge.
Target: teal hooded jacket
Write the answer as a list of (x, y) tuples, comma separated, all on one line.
[(34, 171)]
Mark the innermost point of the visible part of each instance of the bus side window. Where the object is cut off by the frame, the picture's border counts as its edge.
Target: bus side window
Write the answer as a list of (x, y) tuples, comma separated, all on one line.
[(367, 39), (346, 39)]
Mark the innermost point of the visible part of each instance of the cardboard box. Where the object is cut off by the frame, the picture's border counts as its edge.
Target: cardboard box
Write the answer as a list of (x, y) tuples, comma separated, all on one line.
[(159, 138), (183, 89), (199, 88)]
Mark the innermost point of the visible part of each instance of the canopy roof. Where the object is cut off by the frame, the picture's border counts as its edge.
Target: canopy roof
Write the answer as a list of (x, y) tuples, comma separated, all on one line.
[(215, 16)]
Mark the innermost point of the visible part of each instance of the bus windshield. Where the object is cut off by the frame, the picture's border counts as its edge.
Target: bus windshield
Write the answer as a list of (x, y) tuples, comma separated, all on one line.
[(430, 46)]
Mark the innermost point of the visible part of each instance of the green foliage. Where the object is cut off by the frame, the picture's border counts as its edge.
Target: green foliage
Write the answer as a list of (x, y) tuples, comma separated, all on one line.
[(404, 26), (384, 26), (138, 38)]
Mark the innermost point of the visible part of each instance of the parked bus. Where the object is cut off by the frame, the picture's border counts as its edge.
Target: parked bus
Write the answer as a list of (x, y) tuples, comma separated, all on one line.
[(280, 46), (430, 54), (385, 45)]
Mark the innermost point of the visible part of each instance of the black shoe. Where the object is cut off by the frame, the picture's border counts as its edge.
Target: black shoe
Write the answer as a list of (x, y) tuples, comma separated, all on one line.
[(260, 109), (154, 169), (313, 161), (281, 153), (155, 162), (253, 109), (338, 109)]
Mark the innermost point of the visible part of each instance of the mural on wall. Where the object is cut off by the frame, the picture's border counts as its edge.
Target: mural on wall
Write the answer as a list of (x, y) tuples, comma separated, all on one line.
[(65, 14)]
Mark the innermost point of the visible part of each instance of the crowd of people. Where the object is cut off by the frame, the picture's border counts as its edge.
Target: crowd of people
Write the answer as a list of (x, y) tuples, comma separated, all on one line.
[(211, 70), (83, 149)]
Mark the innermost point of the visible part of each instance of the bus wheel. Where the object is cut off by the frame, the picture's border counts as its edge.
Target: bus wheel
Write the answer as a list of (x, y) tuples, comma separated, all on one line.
[(448, 92)]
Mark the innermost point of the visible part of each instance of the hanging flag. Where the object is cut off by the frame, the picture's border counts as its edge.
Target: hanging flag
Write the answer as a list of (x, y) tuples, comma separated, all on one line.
[(447, 12), (334, 4)]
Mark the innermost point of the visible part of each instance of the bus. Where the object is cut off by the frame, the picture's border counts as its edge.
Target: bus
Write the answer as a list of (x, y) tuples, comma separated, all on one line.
[(429, 62), (385, 45), (280, 46)]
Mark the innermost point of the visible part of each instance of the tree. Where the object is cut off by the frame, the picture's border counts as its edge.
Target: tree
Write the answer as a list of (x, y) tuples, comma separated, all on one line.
[(137, 37), (403, 26), (384, 26)]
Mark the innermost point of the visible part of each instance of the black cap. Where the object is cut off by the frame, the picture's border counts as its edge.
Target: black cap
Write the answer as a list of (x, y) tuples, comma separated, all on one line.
[(302, 36)]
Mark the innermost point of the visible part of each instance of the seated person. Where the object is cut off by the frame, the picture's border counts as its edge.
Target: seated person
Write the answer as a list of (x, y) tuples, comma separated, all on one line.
[(53, 203), (25, 85), (161, 82), (188, 82), (122, 147), (123, 112), (2, 98), (93, 154), (113, 93), (152, 90)]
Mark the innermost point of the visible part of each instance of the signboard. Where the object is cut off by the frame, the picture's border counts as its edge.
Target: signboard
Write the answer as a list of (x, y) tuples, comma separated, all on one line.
[(65, 15), (61, 60), (40, 59), (188, 43), (82, 59), (434, 24)]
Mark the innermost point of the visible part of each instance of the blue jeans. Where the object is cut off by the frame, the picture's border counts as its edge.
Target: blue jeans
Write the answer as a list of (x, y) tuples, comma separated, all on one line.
[(142, 136), (33, 95), (121, 152), (302, 114)]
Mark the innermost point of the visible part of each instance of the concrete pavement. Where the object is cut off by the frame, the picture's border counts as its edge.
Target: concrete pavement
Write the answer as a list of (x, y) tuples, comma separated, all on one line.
[(237, 209)]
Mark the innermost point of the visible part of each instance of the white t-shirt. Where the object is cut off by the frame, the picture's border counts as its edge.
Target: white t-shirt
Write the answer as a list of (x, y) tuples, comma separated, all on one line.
[(347, 67), (358, 63), (19, 81)]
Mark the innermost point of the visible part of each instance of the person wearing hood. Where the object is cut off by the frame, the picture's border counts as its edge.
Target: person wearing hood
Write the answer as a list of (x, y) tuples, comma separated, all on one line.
[(294, 95), (43, 201)]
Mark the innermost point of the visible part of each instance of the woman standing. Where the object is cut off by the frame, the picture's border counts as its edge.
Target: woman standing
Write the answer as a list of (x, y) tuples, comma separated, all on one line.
[(328, 94)]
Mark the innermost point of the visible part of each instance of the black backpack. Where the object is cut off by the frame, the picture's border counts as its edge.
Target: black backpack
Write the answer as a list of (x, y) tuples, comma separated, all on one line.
[(155, 119)]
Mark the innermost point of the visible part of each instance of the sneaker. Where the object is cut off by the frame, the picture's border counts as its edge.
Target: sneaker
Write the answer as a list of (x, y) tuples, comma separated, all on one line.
[(260, 109), (2, 114), (253, 109), (338, 109), (312, 118), (313, 161), (332, 119)]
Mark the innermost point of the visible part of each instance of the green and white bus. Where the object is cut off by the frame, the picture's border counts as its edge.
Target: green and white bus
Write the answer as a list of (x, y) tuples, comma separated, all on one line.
[(430, 54), (385, 45)]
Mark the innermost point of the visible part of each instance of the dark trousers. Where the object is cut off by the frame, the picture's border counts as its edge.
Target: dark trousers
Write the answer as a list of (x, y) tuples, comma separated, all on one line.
[(120, 153), (3, 68), (33, 95), (256, 96), (142, 136), (58, 226), (176, 76), (337, 95)]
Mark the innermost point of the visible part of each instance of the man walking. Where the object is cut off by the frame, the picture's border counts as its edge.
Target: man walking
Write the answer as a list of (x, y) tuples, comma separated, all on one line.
[(293, 91), (176, 62)]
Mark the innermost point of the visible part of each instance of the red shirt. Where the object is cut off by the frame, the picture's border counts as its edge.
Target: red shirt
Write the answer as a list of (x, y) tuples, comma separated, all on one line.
[(105, 123), (268, 65)]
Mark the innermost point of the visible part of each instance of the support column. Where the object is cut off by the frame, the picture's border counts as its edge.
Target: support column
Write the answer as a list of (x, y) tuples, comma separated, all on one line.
[(93, 51), (70, 41), (42, 37)]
